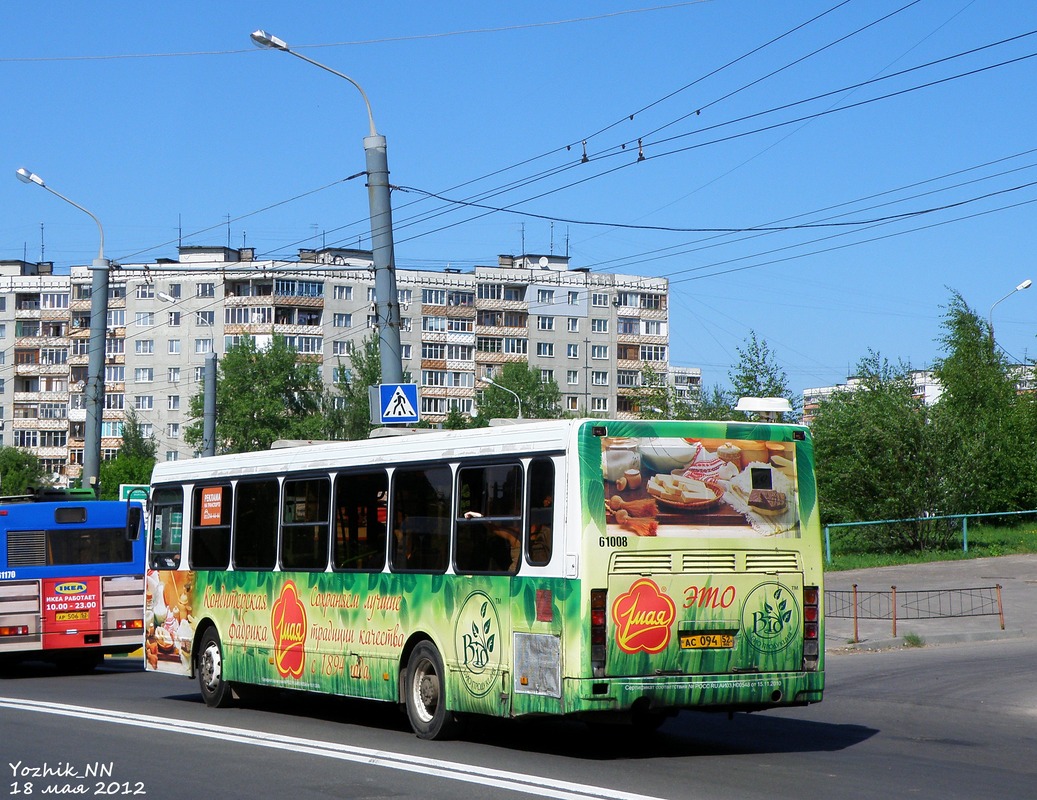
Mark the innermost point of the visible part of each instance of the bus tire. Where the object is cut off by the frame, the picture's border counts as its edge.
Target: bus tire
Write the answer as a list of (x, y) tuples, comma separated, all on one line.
[(216, 692), (426, 698)]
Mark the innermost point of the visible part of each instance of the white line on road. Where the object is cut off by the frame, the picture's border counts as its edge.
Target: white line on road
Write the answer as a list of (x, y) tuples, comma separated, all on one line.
[(468, 773)]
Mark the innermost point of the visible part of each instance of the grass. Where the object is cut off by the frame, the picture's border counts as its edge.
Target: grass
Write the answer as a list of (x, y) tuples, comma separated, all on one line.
[(985, 541)]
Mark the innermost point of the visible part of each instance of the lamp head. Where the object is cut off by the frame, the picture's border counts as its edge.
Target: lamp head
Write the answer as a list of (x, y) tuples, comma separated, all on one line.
[(266, 40), (28, 177), (1024, 285)]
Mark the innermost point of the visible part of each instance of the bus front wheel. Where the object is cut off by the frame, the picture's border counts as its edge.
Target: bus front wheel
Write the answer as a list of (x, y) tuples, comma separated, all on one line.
[(426, 694), (216, 691)]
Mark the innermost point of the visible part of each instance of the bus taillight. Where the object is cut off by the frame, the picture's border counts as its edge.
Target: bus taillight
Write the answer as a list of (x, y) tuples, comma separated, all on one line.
[(129, 624), (14, 630), (598, 632), (811, 626)]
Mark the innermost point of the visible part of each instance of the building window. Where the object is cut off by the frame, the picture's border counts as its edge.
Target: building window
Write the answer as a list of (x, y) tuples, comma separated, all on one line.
[(628, 326), (174, 291), (545, 323), (572, 377), (342, 292), (144, 375), (145, 291), (202, 346), (174, 347), (572, 350), (599, 378), (342, 320), (173, 374), (433, 324), (206, 290), (653, 352), (173, 318), (433, 297), (173, 430), (144, 319), (546, 349), (547, 375), (545, 295), (516, 346), (600, 300), (573, 325), (599, 326), (172, 455), (572, 403), (599, 404), (599, 351), (653, 327), (144, 347)]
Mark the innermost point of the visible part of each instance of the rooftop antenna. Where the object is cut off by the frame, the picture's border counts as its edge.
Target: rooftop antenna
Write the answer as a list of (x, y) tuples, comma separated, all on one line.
[(43, 245), (551, 249), (179, 231), (228, 231)]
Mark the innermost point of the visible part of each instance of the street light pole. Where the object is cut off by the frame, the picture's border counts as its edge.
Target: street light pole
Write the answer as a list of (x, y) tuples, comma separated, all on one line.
[(990, 316), (518, 400), (95, 362), (387, 306)]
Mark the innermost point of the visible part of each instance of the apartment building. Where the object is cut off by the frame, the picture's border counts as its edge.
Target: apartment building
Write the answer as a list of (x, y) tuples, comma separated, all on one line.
[(592, 333)]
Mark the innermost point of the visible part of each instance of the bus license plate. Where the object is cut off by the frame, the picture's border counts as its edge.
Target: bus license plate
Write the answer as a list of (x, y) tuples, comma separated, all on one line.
[(707, 641), (71, 616)]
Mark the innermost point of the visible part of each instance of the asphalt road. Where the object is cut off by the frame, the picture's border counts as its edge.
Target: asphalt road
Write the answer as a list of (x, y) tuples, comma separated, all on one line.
[(953, 719)]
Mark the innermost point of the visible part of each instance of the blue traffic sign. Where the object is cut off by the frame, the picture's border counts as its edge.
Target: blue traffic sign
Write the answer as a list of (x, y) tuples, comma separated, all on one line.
[(398, 403)]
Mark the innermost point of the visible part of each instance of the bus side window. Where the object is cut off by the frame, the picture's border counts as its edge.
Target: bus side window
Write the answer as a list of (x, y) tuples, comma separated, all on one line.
[(167, 526), (489, 515), (255, 525), (210, 527), (421, 519), (539, 534), (360, 509), (305, 524)]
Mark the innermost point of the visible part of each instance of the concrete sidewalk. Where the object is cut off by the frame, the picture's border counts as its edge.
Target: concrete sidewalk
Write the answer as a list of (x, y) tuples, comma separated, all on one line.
[(1017, 576)]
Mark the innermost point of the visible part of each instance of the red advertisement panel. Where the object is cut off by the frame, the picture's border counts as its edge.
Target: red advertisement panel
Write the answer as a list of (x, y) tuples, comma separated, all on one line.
[(71, 612)]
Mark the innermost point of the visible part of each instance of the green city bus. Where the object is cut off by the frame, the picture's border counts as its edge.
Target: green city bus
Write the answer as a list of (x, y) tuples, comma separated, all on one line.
[(591, 568)]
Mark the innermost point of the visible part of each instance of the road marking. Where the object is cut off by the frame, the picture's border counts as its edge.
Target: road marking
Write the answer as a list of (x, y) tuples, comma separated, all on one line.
[(468, 773)]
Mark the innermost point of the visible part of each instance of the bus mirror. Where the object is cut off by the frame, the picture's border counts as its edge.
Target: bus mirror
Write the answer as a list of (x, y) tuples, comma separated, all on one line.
[(134, 514)]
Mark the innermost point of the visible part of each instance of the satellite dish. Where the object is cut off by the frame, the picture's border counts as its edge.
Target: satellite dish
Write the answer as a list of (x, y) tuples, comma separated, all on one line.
[(543, 262)]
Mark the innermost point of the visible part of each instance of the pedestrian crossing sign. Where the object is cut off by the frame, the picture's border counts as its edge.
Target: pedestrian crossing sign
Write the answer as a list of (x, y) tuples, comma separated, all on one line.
[(397, 403)]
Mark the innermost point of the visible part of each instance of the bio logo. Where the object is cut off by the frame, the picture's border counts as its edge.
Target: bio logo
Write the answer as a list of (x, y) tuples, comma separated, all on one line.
[(70, 587), (643, 618), (770, 617), (288, 620), (476, 641)]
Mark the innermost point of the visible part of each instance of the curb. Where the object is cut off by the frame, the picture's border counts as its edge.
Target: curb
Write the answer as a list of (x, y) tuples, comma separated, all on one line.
[(872, 645)]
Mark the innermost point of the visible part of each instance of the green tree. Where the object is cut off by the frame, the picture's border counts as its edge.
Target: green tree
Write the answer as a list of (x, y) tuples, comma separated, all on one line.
[(20, 472), (716, 404), (657, 399), (539, 400), (353, 417), (133, 464), (875, 458), (985, 432), (758, 375), (262, 395)]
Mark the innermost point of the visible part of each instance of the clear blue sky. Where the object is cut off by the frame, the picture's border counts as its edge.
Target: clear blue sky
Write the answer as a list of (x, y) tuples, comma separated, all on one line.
[(163, 118)]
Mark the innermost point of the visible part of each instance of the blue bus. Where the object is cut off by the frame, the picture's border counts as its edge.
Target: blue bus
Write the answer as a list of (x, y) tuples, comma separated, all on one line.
[(71, 578)]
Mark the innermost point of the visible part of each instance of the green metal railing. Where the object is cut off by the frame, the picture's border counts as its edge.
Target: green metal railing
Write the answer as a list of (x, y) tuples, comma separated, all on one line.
[(963, 517)]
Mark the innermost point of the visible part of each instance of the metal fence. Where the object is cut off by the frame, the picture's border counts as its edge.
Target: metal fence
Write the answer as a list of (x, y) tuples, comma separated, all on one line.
[(892, 605), (963, 517)]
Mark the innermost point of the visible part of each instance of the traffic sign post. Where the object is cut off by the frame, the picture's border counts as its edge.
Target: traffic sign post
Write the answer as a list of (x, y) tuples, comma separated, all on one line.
[(394, 403)]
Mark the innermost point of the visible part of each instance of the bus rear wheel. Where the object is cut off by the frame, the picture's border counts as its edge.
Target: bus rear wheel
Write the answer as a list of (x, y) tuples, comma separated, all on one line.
[(426, 694), (216, 692)]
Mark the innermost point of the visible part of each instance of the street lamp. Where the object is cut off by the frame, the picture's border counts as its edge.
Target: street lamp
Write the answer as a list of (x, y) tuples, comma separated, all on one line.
[(95, 362), (208, 387), (990, 316), (491, 382), (387, 307)]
